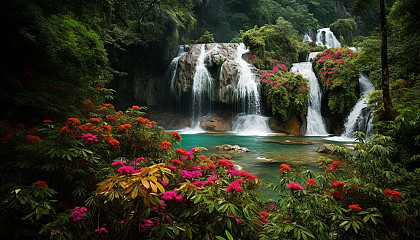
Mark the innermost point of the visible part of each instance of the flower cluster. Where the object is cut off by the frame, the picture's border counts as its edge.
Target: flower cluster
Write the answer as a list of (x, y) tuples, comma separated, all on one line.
[(89, 138), (355, 207), (284, 168), (41, 184), (392, 193), (101, 230), (78, 213), (235, 186), (295, 186)]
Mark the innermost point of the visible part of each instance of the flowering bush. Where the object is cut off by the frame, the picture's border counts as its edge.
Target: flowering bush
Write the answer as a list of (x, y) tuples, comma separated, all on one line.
[(286, 93), (338, 77), (350, 201)]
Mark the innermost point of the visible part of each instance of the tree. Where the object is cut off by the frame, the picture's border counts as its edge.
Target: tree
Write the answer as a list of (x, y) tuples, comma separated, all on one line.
[(358, 6)]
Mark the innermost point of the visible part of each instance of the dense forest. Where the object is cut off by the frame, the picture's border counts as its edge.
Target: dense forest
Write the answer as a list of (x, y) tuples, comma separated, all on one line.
[(81, 158)]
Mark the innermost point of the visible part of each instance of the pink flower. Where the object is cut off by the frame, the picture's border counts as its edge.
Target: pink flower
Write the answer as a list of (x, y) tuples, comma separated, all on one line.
[(275, 69), (235, 186), (101, 230), (198, 183), (78, 213), (210, 180), (283, 67), (295, 186), (125, 169), (187, 174), (118, 162)]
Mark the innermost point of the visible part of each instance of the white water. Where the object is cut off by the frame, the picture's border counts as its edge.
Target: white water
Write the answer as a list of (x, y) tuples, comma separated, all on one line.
[(251, 125), (325, 37), (315, 125), (202, 86), (246, 86), (306, 38), (311, 56), (250, 122), (173, 66), (357, 120)]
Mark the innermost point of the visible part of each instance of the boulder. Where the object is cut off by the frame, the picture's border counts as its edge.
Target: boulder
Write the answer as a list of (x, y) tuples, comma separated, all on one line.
[(325, 148), (216, 124), (215, 157), (230, 148)]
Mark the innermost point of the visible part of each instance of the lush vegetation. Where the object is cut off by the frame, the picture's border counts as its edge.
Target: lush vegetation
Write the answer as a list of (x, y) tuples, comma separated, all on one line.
[(338, 78), (286, 93)]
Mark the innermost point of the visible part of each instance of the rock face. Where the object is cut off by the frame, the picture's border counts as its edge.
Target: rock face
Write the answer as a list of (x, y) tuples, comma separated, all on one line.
[(325, 148), (221, 64), (215, 157), (216, 124), (234, 148)]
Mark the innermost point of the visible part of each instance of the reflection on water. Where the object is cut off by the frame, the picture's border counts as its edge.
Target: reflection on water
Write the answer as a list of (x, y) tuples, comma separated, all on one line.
[(267, 153)]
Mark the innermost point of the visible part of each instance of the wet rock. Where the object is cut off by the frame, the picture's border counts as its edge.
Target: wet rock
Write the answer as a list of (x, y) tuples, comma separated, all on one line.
[(234, 148), (216, 124), (325, 148)]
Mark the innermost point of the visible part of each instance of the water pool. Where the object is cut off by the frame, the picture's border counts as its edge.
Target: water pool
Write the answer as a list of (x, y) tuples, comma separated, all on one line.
[(266, 156)]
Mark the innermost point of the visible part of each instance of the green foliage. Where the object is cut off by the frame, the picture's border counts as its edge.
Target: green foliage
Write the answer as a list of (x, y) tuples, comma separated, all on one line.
[(298, 15), (338, 77), (327, 204), (205, 38), (286, 93), (345, 28), (272, 41)]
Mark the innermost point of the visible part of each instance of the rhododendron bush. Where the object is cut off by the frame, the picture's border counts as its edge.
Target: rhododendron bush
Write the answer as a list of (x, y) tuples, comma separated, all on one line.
[(339, 80), (121, 175), (286, 92)]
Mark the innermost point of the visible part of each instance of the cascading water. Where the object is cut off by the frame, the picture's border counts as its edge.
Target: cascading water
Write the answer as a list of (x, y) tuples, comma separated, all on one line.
[(359, 118), (201, 89), (311, 56), (306, 38), (249, 121), (173, 66), (315, 125), (324, 37)]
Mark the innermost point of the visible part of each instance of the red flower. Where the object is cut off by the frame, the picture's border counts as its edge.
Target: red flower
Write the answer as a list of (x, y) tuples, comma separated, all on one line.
[(106, 127), (124, 127), (135, 107), (355, 207), (41, 184), (106, 105), (336, 183), (47, 121), (94, 120), (165, 145), (392, 193), (33, 138), (264, 214), (143, 120), (111, 118), (311, 181), (176, 135), (73, 121), (87, 102), (284, 167)]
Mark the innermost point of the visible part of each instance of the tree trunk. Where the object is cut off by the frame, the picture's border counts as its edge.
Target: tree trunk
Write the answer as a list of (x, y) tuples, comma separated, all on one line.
[(390, 113)]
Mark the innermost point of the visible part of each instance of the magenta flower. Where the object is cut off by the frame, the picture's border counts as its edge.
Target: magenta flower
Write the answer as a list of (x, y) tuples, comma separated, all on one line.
[(235, 186), (101, 230), (294, 186), (125, 169), (275, 69), (118, 162), (190, 174), (198, 183), (78, 213)]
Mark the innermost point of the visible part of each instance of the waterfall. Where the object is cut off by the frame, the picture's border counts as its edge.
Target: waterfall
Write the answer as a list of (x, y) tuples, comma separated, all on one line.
[(173, 66), (249, 122), (202, 87), (246, 84), (306, 38), (359, 118), (315, 125), (324, 37), (311, 56)]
